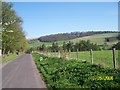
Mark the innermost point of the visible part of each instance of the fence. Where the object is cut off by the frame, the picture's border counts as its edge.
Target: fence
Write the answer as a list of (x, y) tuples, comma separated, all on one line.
[(103, 58)]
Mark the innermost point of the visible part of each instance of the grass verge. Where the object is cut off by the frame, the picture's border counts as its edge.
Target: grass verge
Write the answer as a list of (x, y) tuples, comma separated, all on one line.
[(9, 58)]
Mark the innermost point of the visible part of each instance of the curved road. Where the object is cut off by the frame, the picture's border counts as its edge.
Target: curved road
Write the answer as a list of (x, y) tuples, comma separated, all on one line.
[(21, 73)]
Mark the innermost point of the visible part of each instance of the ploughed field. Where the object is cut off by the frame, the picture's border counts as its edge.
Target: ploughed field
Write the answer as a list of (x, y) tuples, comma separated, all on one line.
[(62, 73)]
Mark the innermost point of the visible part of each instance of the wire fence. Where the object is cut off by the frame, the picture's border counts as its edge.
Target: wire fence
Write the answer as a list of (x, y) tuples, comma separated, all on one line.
[(105, 58)]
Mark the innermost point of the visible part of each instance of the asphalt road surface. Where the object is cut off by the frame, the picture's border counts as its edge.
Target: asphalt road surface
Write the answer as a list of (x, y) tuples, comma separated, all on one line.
[(21, 73)]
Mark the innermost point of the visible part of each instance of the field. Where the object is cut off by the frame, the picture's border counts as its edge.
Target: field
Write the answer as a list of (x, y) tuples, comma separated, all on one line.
[(59, 74), (37, 43), (104, 57), (75, 70), (97, 38)]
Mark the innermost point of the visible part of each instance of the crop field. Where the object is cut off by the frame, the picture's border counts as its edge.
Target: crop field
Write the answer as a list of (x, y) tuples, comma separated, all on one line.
[(60, 73), (104, 57)]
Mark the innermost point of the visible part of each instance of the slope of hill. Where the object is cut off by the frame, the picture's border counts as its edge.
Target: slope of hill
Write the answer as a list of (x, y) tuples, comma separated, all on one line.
[(69, 36), (99, 38), (96, 38)]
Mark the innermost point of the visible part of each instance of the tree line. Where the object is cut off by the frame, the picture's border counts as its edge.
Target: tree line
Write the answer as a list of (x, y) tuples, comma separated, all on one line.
[(68, 36), (70, 46), (13, 36)]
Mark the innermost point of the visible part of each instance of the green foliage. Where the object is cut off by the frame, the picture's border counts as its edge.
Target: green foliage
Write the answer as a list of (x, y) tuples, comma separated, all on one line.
[(103, 57), (69, 36), (81, 46), (117, 46), (13, 36), (9, 58), (98, 39), (118, 36), (59, 73), (29, 50), (54, 47)]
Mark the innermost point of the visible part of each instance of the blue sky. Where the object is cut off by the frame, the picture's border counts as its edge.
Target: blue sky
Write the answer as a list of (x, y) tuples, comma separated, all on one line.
[(41, 19)]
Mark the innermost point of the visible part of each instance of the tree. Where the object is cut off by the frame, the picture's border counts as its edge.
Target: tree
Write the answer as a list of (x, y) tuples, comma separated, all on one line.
[(13, 36), (69, 46), (64, 46), (117, 46), (118, 36), (55, 47), (43, 47)]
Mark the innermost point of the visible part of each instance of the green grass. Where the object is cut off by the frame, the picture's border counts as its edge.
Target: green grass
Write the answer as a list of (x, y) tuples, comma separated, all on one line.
[(37, 43), (97, 38), (99, 57), (9, 58)]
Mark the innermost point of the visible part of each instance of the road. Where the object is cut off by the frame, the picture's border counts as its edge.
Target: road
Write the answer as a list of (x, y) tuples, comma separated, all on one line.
[(21, 73)]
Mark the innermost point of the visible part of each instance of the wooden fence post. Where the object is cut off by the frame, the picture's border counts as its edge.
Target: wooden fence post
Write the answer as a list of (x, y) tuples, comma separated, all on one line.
[(59, 54), (63, 54), (52, 54), (114, 57), (77, 55), (49, 53), (55, 53), (118, 60), (91, 55), (69, 54)]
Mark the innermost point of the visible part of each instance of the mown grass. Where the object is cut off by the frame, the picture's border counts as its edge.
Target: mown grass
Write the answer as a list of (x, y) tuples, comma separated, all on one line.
[(104, 57)]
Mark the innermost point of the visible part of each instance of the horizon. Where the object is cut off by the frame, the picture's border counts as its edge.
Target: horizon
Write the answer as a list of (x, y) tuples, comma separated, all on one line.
[(72, 32), (40, 19)]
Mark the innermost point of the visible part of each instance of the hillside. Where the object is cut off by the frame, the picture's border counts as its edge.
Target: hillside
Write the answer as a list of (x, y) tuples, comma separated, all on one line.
[(96, 38), (69, 36)]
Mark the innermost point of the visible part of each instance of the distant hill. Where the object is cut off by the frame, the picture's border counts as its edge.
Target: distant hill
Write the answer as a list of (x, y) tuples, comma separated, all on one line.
[(100, 38), (69, 36)]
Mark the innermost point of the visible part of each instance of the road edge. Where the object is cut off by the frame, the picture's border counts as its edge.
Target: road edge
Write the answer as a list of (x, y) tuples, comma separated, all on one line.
[(38, 75)]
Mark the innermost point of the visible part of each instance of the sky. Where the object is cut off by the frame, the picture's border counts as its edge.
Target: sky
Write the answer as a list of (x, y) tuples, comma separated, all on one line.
[(44, 18)]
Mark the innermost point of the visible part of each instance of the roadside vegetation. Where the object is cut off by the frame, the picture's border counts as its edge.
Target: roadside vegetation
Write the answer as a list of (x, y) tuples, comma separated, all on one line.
[(61, 73), (13, 36), (9, 58)]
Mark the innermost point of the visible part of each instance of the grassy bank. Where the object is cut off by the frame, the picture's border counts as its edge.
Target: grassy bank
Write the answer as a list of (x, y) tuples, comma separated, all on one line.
[(60, 73), (9, 58)]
